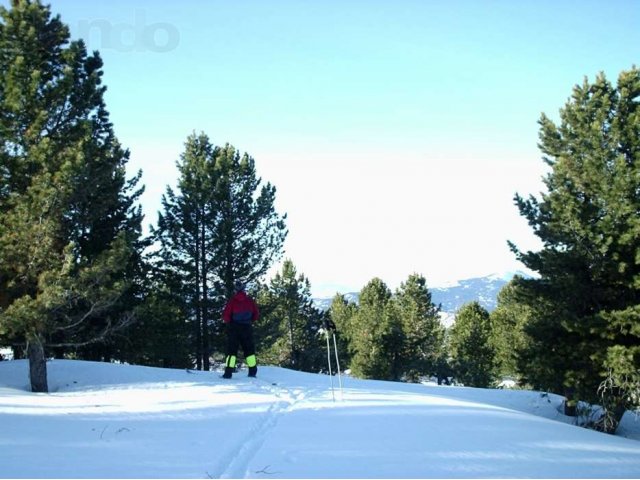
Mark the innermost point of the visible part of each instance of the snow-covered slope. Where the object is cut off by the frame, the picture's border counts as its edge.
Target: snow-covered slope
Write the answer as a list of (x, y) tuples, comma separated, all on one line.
[(118, 421)]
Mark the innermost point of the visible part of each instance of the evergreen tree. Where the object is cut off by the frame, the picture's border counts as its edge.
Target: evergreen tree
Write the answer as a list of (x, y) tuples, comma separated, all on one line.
[(249, 233), (377, 338), (444, 368), (70, 246), (288, 333), (185, 232), (589, 269), (508, 322), (343, 314), (160, 335), (423, 331), (471, 350)]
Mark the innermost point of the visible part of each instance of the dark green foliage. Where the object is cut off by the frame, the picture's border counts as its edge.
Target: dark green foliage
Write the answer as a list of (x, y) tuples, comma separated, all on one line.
[(472, 354), (185, 232), (423, 332), (288, 333), (160, 335), (391, 337), (585, 334), (342, 313), (249, 233), (377, 338), (548, 347), (444, 370), (70, 254), (508, 323)]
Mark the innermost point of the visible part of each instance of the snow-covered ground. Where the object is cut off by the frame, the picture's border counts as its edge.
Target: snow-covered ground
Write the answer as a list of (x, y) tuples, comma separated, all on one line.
[(105, 420)]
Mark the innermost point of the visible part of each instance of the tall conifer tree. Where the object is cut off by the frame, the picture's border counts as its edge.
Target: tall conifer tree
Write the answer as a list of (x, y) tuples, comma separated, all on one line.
[(69, 230), (343, 314), (508, 322), (185, 231), (377, 338), (472, 353), (423, 332), (588, 293), (288, 333), (249, 233)]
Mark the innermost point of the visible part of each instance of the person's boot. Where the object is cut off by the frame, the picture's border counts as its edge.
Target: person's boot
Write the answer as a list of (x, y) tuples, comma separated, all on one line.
[(253, 371), (228, 371)]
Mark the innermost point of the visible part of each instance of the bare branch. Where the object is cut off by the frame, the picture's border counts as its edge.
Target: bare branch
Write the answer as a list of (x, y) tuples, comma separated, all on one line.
[(124, 322)]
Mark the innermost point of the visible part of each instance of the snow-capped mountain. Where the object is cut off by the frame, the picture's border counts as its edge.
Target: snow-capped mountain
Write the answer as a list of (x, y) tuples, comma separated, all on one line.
[(453, 296), (483, 289)]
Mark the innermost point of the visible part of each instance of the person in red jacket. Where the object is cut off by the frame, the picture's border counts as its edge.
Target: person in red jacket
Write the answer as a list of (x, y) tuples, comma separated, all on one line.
[(239, 314)]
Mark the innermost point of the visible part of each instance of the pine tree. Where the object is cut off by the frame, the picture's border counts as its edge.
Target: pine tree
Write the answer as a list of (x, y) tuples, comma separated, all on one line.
[(377, 338), (549, 348), (69, 230), (423, 331), (160, 337), (343, 314), (589, 266), (471, 350), (185, 232), (249, 232), (288, 333), (508, 322)]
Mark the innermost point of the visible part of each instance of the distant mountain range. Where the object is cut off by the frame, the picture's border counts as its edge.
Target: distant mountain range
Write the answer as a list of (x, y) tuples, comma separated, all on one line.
[(483, 289), (452, 297)]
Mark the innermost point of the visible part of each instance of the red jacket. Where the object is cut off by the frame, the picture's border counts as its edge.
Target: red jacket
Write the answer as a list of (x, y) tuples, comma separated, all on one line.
[(240, 309)]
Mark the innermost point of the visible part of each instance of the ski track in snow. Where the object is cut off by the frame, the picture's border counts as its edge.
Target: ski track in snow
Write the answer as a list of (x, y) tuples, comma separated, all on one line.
[(235, 464)]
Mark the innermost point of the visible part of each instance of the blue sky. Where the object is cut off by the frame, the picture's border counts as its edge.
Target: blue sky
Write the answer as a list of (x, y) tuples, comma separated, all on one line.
[(395, 132)]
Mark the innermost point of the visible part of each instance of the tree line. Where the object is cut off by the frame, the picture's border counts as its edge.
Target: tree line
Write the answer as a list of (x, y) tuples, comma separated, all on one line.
[(78, 279)]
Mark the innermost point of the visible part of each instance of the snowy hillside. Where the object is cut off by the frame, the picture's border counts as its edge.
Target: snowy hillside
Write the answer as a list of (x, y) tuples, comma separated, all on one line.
[(483, 289), (116, 421)]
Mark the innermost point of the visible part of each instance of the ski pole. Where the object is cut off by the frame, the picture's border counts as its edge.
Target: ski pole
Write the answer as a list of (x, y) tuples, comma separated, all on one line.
[(329, 363), (335, 346)]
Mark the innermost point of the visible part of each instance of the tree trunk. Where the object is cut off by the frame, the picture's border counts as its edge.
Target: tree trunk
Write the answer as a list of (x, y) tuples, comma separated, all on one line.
[(570, 408), (37, 366), (198, 301), (570, 404), (614, 417), (294, 351), (18, 352), (206, 350)]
